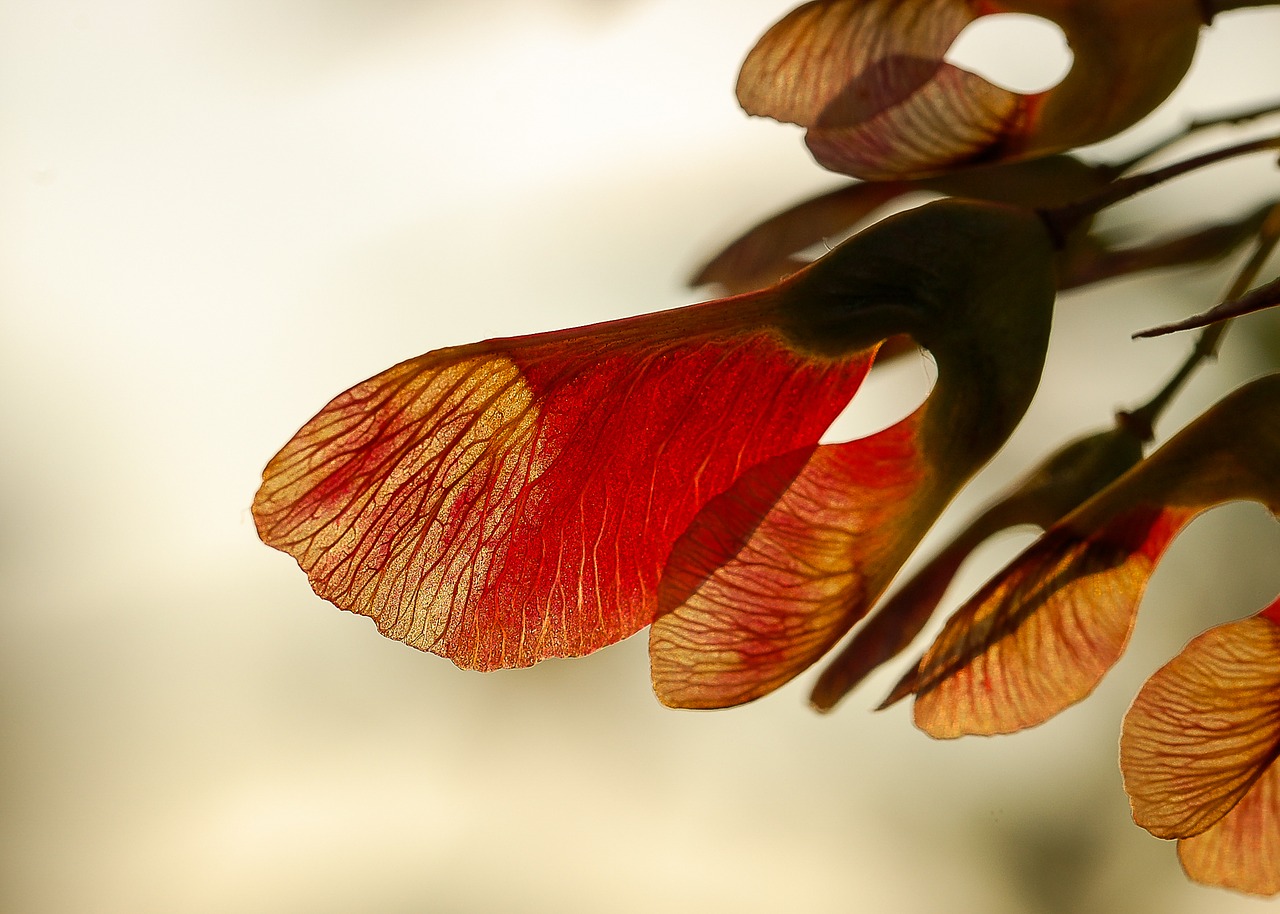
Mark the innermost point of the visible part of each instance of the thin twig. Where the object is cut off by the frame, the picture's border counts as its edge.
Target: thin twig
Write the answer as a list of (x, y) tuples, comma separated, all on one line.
[(1194, 126), (1261, 298), (1142, 419)]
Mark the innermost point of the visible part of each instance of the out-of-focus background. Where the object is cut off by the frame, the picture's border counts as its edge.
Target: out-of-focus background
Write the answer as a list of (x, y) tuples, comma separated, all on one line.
[(216, 216)]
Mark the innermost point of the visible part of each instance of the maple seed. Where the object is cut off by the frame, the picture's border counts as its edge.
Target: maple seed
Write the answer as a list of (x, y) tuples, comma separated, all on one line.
[(869, 81)]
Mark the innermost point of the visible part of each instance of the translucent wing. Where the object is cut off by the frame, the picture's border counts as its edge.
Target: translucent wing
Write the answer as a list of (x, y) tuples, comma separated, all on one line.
[(514, 500), (774, 572), (869, 81), (1200, 751)]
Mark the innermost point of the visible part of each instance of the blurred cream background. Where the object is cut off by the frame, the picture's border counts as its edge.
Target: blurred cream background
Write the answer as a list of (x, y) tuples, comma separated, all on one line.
[(216, 216)]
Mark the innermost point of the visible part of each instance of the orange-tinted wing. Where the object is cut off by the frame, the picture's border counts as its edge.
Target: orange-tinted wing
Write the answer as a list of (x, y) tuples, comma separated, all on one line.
[(869, 81), (1041, 635), (1200, 754), (773, 572)]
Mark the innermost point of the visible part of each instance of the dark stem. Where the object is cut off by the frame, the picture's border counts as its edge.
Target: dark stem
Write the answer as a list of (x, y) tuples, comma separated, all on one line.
[(1194, 126), (1211, 8), (1063, 220)]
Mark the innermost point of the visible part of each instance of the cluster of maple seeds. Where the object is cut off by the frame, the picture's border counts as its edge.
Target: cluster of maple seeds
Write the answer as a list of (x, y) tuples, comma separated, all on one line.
[(544, 496)]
